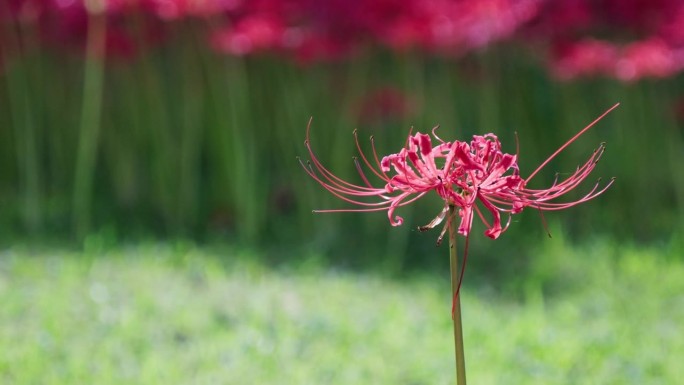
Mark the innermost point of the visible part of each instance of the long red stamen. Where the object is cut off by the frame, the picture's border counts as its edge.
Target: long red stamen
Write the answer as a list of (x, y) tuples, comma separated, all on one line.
[(585, 129), (382, 176)]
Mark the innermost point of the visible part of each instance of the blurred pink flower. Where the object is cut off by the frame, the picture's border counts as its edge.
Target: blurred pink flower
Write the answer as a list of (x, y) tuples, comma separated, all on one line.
[(279, 26), (648, 58), (651, 57), (464, 175), (252, 34), (474, 24), (586, 57)]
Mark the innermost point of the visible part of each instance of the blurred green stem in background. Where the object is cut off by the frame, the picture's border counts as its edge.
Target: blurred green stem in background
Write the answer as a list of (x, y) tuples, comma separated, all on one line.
[(23, 107), (189, 142), (86, 156)]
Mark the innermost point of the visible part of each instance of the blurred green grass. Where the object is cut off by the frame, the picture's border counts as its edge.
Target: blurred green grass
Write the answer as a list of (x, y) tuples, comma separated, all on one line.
[(194, 144), (601, 313)]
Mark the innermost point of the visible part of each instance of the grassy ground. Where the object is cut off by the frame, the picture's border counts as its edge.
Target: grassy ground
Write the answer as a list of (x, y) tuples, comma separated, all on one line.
[(164, 314)]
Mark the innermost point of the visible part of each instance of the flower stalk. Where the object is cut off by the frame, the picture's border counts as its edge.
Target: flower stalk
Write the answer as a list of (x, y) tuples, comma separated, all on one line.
[(455, 288)]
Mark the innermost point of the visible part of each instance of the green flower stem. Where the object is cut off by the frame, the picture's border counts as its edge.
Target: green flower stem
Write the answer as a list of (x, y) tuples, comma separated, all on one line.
[(458, 327)]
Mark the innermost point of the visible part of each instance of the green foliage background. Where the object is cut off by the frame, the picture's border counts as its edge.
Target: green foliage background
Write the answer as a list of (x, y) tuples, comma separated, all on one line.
[(181, 141)]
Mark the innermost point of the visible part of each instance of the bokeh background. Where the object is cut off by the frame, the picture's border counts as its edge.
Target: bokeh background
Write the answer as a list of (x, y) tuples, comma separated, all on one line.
[(180, 121)]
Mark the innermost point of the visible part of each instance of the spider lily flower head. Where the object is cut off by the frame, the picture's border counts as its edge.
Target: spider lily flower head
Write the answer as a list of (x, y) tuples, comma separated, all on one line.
[(468, 176)]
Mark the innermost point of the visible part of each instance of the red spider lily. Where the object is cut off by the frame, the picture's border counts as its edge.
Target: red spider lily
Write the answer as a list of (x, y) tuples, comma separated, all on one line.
[(463, 175)]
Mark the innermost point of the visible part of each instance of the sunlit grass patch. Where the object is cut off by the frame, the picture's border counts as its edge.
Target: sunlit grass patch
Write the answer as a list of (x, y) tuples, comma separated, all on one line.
[(158, 314)]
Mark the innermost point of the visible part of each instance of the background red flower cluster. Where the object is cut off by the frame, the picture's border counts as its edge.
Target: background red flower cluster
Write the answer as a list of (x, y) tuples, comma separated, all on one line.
[(624, 39)]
